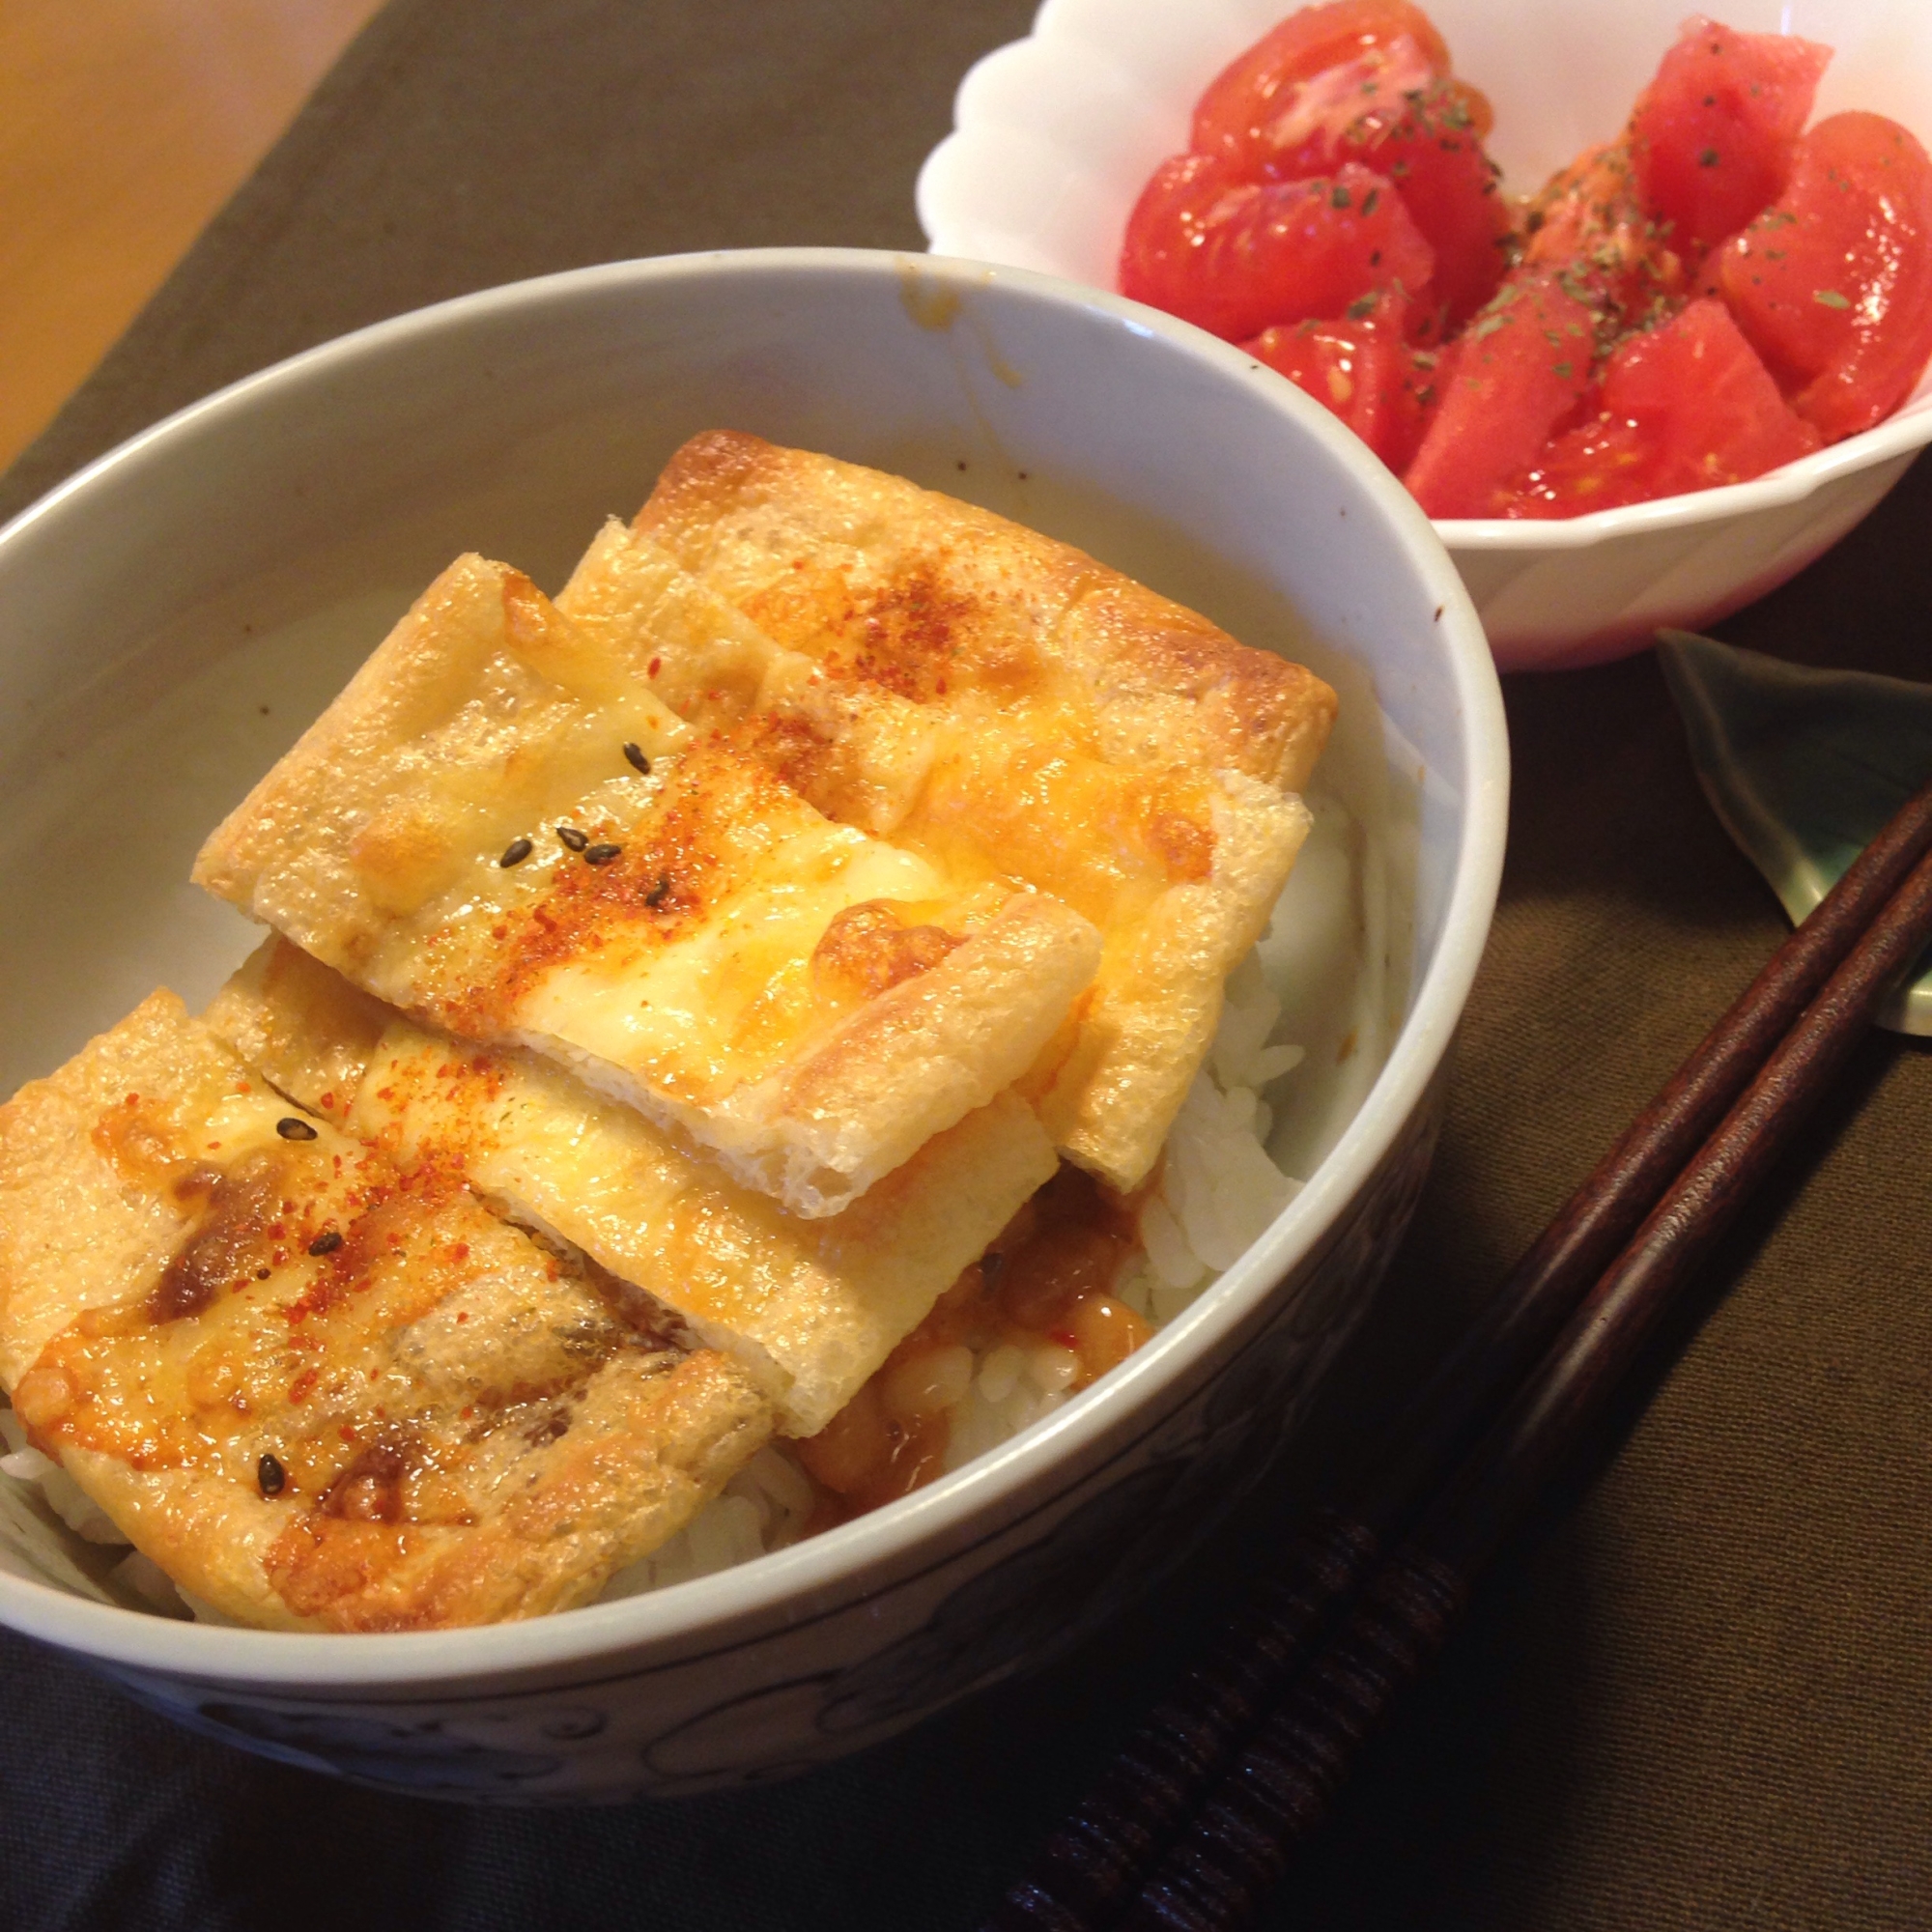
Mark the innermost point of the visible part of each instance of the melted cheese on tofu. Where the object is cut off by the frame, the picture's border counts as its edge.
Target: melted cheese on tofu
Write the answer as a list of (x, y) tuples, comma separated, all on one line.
[(1002, 769), (678, 935), (323, 1388), (809, 1307)]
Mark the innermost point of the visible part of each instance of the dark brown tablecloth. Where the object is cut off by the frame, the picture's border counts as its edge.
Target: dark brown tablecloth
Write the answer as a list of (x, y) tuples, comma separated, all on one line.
[(1700, 1696)]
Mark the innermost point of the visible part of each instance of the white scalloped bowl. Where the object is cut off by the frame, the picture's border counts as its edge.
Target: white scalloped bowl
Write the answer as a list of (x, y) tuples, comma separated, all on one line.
[(1056, 134), (175, 613)]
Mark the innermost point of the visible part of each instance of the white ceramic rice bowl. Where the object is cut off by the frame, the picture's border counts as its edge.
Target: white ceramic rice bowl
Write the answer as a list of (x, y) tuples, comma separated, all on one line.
[(1056, 134), (174, 615)]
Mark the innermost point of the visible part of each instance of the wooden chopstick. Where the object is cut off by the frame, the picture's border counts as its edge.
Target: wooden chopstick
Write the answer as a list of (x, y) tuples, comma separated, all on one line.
[(1092, 1866), (1283, 1782)]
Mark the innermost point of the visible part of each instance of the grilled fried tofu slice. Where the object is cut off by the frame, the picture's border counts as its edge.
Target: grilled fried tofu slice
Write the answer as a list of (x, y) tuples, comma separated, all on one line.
[(464, 835), (811, 1308), (1014, 776), (885, 583), (322, 1388)]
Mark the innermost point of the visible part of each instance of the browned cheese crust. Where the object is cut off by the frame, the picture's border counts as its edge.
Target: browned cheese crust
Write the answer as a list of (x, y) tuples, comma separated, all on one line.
[(929, 597), (678, 935), (321, 1389), (811, 1308)]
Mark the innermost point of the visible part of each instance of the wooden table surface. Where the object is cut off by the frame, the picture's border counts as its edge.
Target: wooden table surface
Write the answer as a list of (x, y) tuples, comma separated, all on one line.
[(124, 126)]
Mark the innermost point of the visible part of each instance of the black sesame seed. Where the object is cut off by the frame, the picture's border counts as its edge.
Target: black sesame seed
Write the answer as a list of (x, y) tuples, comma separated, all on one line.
[(600, 855), (272, 1478), (326, 1243), (659, 892), (635, 754), (574, 840), (291, 1129), (262, 1274), (515, 852)]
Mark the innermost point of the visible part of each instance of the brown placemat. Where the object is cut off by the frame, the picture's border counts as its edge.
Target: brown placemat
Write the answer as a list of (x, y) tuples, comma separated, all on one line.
[(1698, 1697)]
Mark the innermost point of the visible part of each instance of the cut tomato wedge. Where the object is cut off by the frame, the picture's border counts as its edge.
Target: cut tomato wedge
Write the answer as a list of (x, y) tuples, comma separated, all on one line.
[(1429, 142), (1685, 407), (1256, 101), (1361, 368), (1516, 375), (1236, 256), (1711, 137), (1832, 284)]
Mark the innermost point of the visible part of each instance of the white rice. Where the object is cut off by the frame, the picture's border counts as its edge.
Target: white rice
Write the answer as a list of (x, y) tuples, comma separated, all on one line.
[(1218, 1191), (763, 1507)]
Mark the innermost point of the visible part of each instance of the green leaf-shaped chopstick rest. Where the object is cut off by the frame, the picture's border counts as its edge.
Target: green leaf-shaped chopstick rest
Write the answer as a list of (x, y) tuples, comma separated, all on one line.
[(1803, 767)]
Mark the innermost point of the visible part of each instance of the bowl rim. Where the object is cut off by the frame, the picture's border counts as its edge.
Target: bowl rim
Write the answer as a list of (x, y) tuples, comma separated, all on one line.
[(1908, 428), (817, 1578)]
